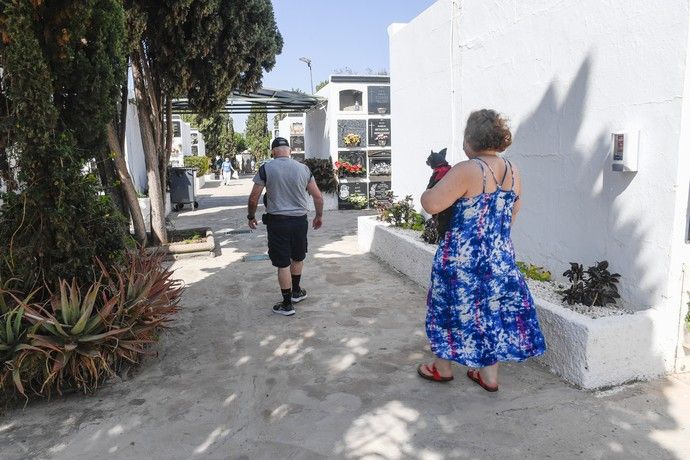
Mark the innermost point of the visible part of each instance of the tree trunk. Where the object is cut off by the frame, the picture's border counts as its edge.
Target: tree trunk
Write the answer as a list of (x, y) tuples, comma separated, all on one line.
[(147, 123), (109, 180), (127, 186), (165, 160)]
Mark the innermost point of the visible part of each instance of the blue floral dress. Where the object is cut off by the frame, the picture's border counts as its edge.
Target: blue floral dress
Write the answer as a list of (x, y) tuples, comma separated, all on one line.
[(479, 308)]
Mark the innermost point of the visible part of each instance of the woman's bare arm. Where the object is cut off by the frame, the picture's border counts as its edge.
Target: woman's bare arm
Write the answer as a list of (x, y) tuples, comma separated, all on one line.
[(448, 190), (518, 192)]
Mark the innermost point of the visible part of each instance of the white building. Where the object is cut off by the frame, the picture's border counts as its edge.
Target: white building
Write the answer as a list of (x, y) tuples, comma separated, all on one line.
[(568, 75), (358, 108), (198, 146), (291, 127)]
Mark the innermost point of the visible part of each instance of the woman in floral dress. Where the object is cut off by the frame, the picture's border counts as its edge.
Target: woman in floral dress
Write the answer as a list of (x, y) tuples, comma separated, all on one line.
[(480, 311)]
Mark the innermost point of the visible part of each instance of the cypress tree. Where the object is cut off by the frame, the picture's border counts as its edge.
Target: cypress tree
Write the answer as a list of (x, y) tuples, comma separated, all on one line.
[(59, 61)]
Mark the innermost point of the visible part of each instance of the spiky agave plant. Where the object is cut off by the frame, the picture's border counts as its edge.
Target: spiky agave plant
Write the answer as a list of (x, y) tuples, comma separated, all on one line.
[(148, 298), (76, 337)]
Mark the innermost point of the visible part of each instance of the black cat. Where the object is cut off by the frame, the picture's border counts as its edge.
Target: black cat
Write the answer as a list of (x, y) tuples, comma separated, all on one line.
[(439, 165)]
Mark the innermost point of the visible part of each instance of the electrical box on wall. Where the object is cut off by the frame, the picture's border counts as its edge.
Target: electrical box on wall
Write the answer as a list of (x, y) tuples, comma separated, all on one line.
[(624, 146)]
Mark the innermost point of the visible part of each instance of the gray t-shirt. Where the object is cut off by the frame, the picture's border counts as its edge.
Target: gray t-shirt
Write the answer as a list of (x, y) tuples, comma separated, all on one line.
[(286, 186)]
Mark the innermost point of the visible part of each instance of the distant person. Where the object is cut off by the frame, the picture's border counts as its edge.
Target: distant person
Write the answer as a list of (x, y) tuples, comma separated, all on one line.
[(227, 169), (288, 185), (479, 310)]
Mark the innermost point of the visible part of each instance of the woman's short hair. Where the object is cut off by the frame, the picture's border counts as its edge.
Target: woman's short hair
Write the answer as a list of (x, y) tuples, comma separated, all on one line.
[(487, 130)]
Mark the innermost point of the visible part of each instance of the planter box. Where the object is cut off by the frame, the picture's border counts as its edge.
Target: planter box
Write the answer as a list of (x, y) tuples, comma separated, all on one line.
[(589, 353), (330, 202), (204, 248)]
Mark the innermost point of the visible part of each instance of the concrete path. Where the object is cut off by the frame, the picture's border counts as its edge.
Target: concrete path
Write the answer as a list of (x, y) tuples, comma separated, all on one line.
[(337, 380)]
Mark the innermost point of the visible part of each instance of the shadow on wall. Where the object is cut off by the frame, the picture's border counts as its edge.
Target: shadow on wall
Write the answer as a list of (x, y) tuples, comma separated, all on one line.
[(570, 210), (337, 380)]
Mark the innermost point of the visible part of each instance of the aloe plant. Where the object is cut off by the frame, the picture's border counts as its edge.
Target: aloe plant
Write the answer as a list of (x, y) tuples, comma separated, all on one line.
[(75, 336), (81, 335), (14, 347)]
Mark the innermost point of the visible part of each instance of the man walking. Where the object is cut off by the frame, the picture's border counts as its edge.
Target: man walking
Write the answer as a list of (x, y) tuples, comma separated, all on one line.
[(288, 185)]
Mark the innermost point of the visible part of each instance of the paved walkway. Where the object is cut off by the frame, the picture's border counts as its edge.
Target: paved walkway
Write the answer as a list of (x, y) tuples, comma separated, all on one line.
[(337, 380)]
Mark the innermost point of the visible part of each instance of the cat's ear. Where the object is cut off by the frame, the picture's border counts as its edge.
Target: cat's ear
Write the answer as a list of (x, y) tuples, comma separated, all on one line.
[(442, 153)]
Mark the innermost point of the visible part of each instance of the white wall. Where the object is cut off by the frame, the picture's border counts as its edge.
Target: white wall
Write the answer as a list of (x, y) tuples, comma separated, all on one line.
[(565, 87), (420, 96), (134, 150), (316, 136), (567, 74)]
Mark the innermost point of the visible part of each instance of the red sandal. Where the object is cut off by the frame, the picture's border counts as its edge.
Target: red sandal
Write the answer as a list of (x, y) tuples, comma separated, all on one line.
[(476, 377), (435, 376)]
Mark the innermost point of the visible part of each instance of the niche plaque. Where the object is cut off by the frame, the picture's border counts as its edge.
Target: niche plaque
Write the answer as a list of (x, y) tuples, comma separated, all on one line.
[(379, 100), (380, 132)]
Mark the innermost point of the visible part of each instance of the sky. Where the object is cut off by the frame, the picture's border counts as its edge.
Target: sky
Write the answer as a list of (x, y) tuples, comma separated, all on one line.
[(334, 34)]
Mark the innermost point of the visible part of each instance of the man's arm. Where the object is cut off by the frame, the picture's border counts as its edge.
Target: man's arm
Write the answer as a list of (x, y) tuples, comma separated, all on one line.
[(252, 203), (315, 193)]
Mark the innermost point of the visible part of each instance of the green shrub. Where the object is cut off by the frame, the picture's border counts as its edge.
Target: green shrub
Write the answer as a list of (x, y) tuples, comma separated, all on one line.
[(400, 213), (534, 272), (323, 172), (202, 164), (595, 286)]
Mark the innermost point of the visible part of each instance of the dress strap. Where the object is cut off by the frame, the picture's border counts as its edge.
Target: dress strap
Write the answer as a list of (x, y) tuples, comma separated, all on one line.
[(505, 173), (481, 165), (493, 174), (512, 173)]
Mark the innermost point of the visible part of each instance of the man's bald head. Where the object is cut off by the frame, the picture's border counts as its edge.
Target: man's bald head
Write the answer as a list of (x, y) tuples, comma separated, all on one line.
[(281, 151)]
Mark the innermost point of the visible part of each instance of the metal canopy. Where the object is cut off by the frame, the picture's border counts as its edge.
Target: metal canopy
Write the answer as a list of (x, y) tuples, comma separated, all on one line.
[(264, 100)]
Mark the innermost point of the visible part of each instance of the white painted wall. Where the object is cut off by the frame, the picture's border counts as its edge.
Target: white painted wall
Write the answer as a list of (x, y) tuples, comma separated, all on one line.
[(567, 74), (420, 96), (134, 150), (316, 136)]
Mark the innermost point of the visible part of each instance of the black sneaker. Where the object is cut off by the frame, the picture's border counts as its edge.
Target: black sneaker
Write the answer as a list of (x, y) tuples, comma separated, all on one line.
[(299, 296), (282, 309)]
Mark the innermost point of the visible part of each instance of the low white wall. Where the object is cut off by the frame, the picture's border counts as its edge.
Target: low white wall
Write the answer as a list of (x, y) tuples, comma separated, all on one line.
[(589, 353), (330, 202)]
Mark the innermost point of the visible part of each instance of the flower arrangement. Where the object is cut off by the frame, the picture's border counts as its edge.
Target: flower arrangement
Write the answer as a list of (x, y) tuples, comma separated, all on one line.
[(352, 140), (357, 200), (381, 139), (345, 169), (381, 169)]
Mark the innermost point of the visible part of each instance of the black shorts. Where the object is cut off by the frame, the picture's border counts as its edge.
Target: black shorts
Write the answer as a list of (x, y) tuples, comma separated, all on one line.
[(287, 239)]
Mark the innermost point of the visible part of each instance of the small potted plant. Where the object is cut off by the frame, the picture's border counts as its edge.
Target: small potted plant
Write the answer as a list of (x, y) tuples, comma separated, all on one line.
[(352, 140), (381, 139)]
